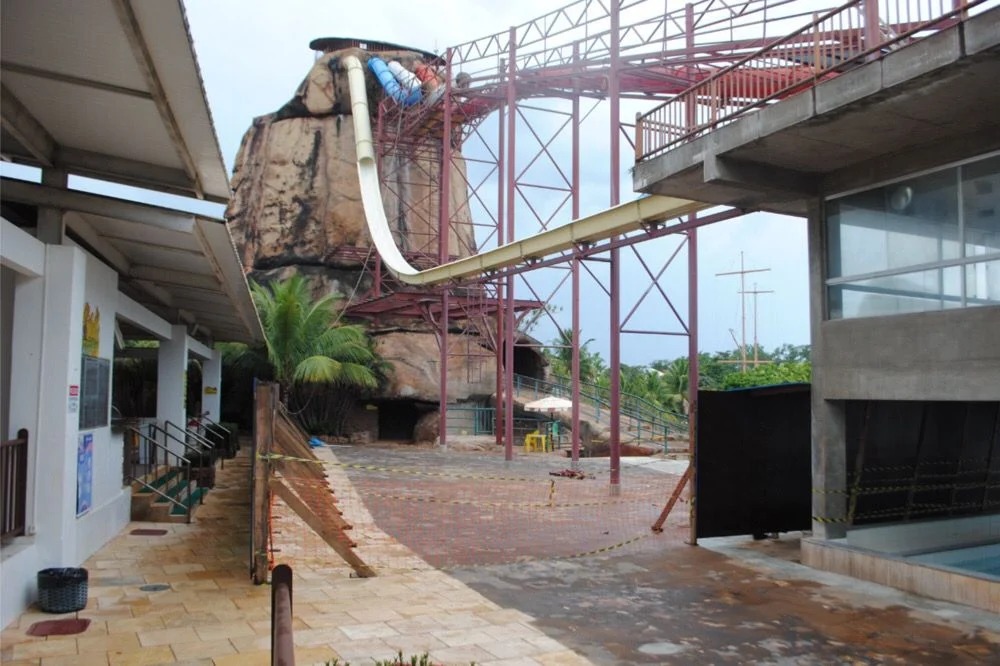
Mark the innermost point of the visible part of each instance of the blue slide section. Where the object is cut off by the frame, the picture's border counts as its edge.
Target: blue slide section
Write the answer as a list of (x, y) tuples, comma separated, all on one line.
[(392, 88)]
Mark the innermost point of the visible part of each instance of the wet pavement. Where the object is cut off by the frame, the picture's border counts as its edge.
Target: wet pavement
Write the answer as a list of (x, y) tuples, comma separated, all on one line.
[(654, 600)]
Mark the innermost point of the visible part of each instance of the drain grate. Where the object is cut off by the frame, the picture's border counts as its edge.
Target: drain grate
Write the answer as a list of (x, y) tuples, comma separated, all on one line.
[(148, 532), (154, 587), (58, 627)]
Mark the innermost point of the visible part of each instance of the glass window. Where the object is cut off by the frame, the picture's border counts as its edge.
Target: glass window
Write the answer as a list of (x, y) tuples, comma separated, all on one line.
[(981, 206), (930, 242), (899, 225), (921, 291)]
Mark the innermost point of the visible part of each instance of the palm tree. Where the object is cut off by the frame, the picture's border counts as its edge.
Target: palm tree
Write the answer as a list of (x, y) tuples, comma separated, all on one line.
[(674, 384), (304, 344)]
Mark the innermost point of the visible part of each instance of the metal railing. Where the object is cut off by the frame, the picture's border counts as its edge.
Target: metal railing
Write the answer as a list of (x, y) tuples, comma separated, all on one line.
[(641, 414), (14, 485), (158, 455), (219, 430), (195, 438), (824, 47)]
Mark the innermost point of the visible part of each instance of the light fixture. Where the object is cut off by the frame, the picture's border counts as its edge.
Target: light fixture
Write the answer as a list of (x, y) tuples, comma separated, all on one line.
[(901, 198)]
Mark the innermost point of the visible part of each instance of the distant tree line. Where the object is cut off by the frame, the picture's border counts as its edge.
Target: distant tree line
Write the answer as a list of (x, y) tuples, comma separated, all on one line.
[(665, 382)]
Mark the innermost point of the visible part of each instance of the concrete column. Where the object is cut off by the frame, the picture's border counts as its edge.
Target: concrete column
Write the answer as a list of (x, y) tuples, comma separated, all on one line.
[(51, 226), (829, 443), (211, 386), (46, 351), (171, 381)]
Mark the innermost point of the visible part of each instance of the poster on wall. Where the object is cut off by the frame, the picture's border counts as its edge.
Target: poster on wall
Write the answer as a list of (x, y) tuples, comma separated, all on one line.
[(84, 473)]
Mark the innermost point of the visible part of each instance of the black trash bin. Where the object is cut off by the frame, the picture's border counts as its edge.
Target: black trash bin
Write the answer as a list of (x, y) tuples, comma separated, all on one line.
[(62, 590)]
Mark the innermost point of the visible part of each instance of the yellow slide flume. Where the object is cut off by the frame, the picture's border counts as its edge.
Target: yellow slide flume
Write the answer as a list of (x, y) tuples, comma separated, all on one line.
[(614, 221)]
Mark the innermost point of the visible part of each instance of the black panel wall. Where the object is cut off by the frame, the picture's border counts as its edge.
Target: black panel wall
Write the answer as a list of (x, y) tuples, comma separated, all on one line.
[(753, 461)]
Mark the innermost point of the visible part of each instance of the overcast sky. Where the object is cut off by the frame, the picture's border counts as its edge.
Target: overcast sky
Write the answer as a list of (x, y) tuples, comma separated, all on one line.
[(253, 54)]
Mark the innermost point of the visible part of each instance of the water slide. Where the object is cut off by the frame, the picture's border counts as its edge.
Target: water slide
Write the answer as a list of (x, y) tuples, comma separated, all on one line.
[(614, 221)]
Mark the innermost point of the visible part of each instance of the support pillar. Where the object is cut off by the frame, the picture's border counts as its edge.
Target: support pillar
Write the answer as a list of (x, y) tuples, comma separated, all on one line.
[(693, 378), (171, 382), (511, 188), (47, 349), (51, 227), (615, 266), (829, 440), (444, 230), (211, 386)]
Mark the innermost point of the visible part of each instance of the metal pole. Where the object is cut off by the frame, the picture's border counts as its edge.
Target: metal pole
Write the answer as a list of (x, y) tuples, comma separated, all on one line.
[(502, 399), (444, 227), (509, 295), (575, 277), (693, 379), (615, 267), (693, 362), (282, 638)]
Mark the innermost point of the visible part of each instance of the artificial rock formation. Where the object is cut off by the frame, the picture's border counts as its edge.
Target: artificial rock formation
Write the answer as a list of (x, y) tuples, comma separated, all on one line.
[(296, 207)]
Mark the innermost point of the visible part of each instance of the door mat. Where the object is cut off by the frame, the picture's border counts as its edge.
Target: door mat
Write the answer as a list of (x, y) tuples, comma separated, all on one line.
[(59, 627), (148, 532)]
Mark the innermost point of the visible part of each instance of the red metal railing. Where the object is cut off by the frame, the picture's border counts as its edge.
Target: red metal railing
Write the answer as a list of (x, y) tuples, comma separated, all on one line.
[(13, 485), (826, 46)]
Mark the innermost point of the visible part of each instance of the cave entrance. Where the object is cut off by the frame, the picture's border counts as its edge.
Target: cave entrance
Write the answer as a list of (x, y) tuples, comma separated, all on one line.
[(397, 419)]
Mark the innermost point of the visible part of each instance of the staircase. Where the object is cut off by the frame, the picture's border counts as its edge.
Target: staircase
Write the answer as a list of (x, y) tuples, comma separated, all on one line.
[(641, 421), (166, 495), (167, 486)]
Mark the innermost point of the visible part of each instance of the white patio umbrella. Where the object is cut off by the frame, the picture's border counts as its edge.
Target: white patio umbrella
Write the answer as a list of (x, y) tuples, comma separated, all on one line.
[(550, 404)]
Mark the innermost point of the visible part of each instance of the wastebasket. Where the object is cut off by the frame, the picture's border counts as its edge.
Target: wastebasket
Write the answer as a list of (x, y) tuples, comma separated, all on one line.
[(62, 590)]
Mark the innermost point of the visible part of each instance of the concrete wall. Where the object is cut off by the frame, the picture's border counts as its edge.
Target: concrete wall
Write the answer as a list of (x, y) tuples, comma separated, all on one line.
[(946, 355)]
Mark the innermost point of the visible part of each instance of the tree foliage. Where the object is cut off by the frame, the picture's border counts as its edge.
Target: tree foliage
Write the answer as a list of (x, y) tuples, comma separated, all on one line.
[(665, 382), (321, 367)]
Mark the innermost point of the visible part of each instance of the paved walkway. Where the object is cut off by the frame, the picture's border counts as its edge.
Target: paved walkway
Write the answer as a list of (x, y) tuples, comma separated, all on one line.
[(210, 612), (654, 601)]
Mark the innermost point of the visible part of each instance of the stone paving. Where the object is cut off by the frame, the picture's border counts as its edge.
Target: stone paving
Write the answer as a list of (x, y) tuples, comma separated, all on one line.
[(212, 614), (653, 601)]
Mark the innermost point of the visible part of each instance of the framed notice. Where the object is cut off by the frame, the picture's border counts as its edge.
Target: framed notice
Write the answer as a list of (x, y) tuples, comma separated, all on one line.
[(84, 473)]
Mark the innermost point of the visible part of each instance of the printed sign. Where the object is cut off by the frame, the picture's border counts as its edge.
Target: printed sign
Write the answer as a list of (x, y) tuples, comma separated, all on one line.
[(84, 473), (74, 398)]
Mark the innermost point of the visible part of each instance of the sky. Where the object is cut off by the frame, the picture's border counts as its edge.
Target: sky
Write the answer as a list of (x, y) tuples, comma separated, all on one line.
[(253, 54)]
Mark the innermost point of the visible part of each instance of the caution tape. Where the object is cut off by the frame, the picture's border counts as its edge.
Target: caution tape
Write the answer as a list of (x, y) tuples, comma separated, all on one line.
[(824, 519), (526, 505), (395, 470), (877, 490)]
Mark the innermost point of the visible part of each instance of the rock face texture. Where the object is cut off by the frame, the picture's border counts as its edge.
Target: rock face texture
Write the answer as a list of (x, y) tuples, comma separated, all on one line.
[(296, 207), (296, 199)]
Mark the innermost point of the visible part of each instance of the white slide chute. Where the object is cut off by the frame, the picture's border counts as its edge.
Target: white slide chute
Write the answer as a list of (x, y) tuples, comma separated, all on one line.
[(614, 221)]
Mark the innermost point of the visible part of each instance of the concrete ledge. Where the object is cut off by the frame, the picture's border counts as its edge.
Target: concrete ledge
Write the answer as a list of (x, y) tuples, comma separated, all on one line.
[(928, 54), (901, 574), (850, 87), (982, 32)]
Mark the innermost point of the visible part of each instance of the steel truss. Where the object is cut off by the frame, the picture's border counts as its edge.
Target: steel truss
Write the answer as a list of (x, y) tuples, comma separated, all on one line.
[(514, 105)]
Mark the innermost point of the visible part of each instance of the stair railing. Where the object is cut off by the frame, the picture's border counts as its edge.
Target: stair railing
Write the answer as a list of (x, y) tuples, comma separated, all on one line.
[(222, 431), (153, 454), (199, 440), (192, 452)]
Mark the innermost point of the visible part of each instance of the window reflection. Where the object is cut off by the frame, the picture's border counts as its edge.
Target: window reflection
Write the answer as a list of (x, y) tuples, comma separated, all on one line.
[(926, 243)]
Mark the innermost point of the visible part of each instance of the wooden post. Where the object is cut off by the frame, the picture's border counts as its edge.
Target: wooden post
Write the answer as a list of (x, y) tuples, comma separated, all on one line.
[(676, 495), (265, 406)]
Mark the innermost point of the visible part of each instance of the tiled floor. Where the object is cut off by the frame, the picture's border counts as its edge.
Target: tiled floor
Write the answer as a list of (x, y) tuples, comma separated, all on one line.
[(654, 601), (213, 614)]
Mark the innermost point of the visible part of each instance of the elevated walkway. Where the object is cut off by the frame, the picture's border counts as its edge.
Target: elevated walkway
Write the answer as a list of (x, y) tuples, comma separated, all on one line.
[(901, 108)]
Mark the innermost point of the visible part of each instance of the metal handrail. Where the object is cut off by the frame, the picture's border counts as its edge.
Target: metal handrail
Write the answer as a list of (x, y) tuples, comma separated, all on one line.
[(631, 407), (183, 464), (190, 433), (809, 42), (156, 427)]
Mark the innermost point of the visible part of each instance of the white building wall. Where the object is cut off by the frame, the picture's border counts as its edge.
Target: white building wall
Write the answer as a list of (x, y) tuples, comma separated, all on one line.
[(110, 507)]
